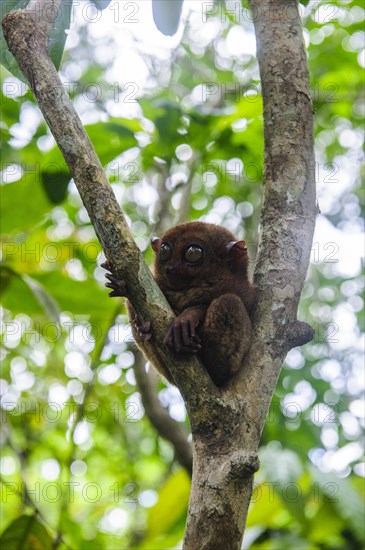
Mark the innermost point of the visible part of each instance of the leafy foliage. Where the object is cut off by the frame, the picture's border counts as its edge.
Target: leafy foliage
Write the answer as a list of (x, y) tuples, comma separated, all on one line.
[(57, 39), (26, 532)]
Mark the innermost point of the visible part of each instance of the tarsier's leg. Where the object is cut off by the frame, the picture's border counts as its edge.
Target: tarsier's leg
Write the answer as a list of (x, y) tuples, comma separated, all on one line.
[(226, 335)]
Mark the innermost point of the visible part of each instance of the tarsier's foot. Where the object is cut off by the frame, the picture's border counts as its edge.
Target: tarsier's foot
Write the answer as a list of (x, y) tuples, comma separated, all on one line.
[(143, 329), (181, 336), (119, 287)]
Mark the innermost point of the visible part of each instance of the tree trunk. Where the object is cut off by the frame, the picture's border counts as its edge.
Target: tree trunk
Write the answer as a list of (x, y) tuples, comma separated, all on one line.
[(222, 481)]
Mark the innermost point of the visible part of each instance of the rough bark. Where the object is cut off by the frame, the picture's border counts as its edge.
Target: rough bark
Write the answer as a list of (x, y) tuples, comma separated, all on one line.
[(44, 13), (289, 207), (226, 423)]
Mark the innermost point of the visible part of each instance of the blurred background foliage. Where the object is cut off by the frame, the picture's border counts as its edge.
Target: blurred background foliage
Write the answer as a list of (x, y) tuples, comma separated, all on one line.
[(80, 463)]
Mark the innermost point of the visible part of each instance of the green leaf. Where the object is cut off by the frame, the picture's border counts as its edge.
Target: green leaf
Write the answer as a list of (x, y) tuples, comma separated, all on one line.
[(23, 203), (79, 297), (26, 533), (12, 287), (171, 505), (112, 138), (55, 184), (51, 292), (9, 113), (169, 120), (326, 526), (6, 58), (16, 295), (345, 498), (48, 304), (265, 509), (280, 465), (57, 38)]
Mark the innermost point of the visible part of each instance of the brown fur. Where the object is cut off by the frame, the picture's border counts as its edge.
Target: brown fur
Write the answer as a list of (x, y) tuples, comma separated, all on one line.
[(215, 294), (214, 277), (211, 297)]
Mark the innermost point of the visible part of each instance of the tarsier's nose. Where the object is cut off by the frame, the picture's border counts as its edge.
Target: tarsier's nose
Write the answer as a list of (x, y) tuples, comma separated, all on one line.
[(170, 269)]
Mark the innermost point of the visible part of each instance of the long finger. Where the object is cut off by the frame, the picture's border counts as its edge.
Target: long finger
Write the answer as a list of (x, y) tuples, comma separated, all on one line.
[(118, 286), (177, 337), (185, 333), (193, 335), (168, 338), (115, 294), (111, 277)]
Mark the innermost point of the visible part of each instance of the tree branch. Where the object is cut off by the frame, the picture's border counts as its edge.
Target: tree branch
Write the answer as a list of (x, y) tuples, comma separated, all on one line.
[(45, 13), (159, 417), (289, 206)]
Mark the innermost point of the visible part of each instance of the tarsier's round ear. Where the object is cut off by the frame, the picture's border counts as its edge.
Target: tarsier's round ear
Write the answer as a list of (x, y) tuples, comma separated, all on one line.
[(236, 250), (236, 246), (155, 242)]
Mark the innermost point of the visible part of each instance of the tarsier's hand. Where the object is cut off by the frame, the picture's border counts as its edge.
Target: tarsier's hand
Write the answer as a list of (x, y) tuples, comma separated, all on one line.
[(181, 336), (119, 287), (143, 329)]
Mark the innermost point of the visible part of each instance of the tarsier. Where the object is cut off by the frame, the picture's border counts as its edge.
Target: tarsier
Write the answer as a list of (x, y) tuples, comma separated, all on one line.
[(202, 270)]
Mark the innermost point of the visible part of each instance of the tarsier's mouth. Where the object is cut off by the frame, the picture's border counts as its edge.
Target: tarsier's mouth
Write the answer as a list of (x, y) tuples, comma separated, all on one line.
[(176, 283)]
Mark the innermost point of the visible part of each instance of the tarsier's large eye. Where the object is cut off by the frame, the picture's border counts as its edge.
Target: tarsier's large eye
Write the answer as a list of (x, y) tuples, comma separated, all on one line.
[(193, 254), (165, 252)]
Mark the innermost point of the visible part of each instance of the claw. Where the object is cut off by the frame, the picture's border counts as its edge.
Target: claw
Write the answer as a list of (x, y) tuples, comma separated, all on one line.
[(119, 287), (143, 329), (114, 294), (114, 281)]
